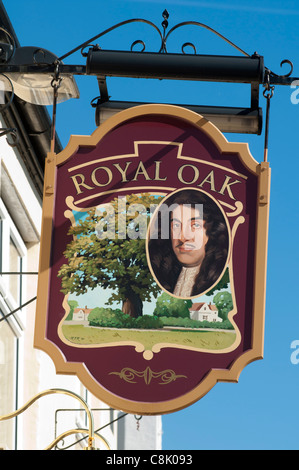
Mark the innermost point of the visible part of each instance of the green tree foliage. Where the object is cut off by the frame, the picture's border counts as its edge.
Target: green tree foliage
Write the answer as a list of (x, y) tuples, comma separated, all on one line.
[(109, 318), (117, 263), (168, 306), (224, 303), (148, 322), (72, 304)]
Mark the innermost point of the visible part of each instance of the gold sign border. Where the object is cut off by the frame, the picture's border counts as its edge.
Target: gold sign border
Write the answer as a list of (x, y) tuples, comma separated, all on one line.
[(261, 170)]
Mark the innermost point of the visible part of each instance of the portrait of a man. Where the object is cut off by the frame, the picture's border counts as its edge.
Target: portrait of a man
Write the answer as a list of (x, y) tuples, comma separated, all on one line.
[(188, 243)]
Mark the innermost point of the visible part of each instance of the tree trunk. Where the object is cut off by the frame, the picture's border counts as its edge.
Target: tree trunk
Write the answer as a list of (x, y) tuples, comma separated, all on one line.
[(132, 305)]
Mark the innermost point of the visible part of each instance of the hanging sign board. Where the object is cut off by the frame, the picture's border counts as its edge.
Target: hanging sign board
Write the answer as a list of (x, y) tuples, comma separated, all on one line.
[(153, 259)]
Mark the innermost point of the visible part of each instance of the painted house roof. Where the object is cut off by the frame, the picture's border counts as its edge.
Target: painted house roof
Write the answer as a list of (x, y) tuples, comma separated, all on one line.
[(198, 306), (84, 310)]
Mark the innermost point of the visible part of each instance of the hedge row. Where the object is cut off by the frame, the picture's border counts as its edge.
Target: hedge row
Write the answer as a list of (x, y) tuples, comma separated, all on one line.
[(188, 323), (106, 317), (109, 318)]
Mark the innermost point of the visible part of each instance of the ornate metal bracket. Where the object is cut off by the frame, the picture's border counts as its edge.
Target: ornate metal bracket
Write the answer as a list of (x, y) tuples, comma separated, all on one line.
[(266, 76), (163, 36), (245, 69), (90, 431)]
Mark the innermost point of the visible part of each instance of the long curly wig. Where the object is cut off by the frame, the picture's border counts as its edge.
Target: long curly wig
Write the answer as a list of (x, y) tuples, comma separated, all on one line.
[(165, 264)]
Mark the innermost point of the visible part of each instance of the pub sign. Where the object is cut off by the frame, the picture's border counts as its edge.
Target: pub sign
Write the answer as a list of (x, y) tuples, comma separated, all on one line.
[(153, 259)]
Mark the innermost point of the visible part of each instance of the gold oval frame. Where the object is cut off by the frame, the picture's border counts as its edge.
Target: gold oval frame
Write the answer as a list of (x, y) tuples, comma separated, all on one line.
[(229, 241)]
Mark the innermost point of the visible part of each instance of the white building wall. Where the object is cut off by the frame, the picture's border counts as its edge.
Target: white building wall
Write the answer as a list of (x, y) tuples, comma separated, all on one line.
[(138, 433)]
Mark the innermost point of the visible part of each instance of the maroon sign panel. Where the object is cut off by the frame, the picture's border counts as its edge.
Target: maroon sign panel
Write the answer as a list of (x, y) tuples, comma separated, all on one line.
[(153, 259)]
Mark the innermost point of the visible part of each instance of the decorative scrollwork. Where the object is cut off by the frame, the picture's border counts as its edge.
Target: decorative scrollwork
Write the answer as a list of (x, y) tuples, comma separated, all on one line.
[(138, 41), (103, 33), (202, 25), (188, 44), (162, 35), (285, 61), (129, 375)]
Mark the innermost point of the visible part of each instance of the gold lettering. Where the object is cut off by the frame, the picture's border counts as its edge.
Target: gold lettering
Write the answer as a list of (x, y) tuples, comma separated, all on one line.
[(210, 180), (123, 172), (226, 186), (141, 171), (78, 183), (96, 182), (180, 174), (157, 172)]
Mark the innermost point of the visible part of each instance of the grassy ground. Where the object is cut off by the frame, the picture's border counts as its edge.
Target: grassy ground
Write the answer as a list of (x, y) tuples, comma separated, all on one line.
[(210, 340)]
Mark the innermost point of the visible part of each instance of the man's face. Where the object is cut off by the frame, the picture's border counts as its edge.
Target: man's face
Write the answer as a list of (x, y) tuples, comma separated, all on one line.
[(188, 235)]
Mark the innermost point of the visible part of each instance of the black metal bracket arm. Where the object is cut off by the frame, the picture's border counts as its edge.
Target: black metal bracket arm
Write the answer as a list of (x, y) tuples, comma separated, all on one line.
[(193, 67), (243, 68), (212, 68)]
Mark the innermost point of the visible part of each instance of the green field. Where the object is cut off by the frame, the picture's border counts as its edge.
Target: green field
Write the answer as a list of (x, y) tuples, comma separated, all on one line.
[(210, 340)]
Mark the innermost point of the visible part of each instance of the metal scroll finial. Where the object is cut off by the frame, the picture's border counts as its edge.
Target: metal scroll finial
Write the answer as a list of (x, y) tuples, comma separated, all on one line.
[(165, 15)]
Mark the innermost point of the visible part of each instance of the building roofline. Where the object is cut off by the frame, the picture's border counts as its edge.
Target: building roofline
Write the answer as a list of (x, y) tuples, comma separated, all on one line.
[(33, 122)]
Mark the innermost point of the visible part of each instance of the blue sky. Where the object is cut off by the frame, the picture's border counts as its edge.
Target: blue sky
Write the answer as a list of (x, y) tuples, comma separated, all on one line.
[(261, 411)]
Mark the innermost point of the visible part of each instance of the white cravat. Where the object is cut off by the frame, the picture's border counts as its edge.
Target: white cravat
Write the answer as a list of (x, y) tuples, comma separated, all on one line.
[(185, 281)]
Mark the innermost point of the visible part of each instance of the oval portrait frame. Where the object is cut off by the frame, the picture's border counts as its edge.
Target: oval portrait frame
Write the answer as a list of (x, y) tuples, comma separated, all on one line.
[(149, 240)]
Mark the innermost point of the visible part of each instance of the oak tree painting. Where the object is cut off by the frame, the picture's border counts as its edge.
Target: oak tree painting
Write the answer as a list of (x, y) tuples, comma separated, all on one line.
[(116, 260)]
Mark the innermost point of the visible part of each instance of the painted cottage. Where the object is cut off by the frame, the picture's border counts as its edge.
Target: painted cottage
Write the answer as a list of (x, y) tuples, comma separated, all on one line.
[(81, 314), (203, 311)]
